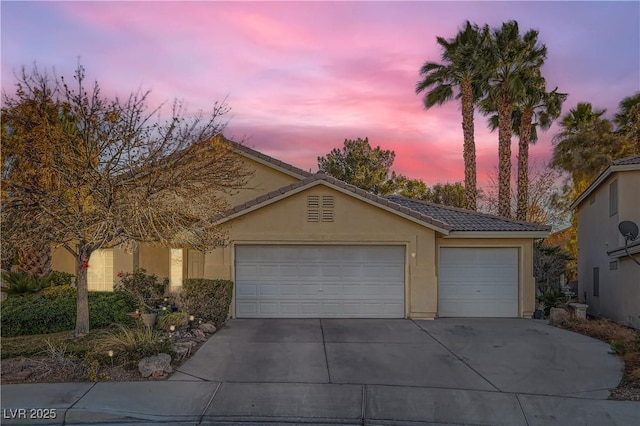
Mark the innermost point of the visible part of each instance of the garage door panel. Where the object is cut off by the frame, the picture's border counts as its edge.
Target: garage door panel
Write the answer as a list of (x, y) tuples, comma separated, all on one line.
[(478, 282), (320, 281)]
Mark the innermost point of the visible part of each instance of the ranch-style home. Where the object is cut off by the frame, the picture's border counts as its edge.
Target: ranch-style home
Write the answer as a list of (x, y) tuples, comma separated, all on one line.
[(305, 245)]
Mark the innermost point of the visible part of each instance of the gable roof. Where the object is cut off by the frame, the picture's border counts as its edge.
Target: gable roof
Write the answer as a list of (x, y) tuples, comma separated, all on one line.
[(619, 165), (265, 159), (462, 220), (439, 218), (321, 179)]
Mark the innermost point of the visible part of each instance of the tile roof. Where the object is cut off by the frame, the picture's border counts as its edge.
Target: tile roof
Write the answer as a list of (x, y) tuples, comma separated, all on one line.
[(343, 185), (627, 161), (467, 220), (242, 149), (444, 218)]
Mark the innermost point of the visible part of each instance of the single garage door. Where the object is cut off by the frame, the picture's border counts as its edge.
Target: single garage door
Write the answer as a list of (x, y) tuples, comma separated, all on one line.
[(478, 282), (287, 281)]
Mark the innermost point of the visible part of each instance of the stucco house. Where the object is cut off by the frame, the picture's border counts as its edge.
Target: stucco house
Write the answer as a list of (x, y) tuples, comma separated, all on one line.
[(608, 280), (308, 245)]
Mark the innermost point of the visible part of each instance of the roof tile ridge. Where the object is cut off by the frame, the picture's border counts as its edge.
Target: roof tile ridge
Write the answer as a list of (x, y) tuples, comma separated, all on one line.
[(471, 212)]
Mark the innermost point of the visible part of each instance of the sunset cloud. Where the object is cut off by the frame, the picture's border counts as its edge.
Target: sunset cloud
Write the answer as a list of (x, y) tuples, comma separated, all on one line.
[(301, 77)]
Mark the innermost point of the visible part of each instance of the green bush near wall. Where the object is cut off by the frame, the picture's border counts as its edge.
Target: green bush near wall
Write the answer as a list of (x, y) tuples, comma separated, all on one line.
[(207, 299), (52, 313)]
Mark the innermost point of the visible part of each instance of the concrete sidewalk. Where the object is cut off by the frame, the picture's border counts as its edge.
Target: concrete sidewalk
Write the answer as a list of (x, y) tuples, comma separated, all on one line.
[(202, 402)]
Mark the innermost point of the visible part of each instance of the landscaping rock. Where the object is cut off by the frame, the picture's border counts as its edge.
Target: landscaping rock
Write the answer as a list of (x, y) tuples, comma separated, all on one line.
[(198, 334), (208, 328), (557, 316), (154, 365), (183, 348)]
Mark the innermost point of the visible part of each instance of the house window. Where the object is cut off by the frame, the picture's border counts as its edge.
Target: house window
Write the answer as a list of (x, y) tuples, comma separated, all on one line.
[(176, 268), (320, 209), (100, 271), (596, 282), (613, 198), (613, 265)]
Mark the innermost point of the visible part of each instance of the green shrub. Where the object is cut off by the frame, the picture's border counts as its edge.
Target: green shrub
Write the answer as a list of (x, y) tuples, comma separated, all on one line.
[(179, 319), (21, 316), (144, 288), (207, 299), (551, 297), (18, 283), (59, 278), (60, 291)]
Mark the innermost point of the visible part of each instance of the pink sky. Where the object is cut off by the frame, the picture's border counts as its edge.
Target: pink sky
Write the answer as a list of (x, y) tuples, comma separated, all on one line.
[(302, 77)]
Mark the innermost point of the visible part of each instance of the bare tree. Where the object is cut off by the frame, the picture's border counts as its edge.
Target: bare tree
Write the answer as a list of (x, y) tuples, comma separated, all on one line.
[(117, 174)]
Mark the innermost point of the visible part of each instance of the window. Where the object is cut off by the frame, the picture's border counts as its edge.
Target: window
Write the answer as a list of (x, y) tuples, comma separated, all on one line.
[(100, 271), (596, 282), (613, 198), (613, 265), (176, 268)]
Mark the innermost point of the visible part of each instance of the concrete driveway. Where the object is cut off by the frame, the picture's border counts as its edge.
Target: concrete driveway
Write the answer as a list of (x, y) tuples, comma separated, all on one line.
[(355, 372), (488, 371), (503, 355)]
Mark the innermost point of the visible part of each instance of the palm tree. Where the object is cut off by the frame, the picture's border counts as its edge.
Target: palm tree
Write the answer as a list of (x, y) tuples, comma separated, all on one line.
[(628, 119), (583, 114), (462, 68), (538, 108), (512, 57)]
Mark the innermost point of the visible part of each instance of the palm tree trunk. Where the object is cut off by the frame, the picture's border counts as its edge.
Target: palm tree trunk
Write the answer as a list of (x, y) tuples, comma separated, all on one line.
[(35, 261), (504, 152), (523, 164), (469, 149)]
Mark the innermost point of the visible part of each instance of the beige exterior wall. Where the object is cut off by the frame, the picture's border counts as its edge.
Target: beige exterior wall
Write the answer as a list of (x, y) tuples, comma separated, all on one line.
[(285, 222), (264, 180), (155, 260), (619, 289), (62, 260), (526, 281)]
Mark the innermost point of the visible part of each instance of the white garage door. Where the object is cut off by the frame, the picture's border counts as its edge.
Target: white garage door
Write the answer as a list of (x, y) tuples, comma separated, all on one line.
[(319, 281), (478, 282)]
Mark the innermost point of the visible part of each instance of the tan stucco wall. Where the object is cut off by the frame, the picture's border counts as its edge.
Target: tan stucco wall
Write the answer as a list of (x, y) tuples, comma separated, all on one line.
[(155, 260), (264, 180), (62, 260), (619, 297), (526, 281), (285, 222)]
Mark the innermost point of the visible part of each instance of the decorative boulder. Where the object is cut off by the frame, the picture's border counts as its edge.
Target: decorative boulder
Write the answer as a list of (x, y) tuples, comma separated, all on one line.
[(208, 328), (557, 316), (155, 366)]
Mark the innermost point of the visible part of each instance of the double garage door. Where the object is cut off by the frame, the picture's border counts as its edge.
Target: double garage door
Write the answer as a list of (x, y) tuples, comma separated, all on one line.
[(298, 281)]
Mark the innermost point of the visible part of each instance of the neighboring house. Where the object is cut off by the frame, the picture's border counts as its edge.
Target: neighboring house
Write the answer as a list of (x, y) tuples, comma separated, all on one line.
[(608, 280), (304, 245)]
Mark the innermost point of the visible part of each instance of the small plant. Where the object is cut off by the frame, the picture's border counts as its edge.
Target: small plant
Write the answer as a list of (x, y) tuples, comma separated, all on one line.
[(59, 278), (18, 283), (144, 288), (130, 345), (207, 299), (65, 291), (94, 371), (177, 319), (57, 359), (551, 297)]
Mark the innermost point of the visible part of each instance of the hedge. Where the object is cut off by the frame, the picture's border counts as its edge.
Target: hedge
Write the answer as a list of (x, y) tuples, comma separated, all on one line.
[(52, 313), (207, 299)]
